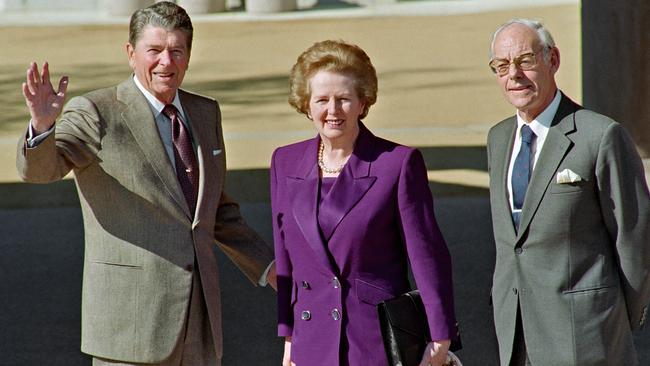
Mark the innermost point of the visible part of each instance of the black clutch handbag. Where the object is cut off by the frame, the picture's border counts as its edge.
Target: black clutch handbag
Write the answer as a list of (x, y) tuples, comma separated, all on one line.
[(405, 330)]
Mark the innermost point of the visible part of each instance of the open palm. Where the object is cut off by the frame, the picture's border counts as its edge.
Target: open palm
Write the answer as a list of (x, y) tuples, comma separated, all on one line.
[(44, 103)]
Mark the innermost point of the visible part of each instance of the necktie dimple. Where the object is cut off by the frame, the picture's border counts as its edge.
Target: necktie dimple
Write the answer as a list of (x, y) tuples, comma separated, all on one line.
[(187, 169), (521, 172)]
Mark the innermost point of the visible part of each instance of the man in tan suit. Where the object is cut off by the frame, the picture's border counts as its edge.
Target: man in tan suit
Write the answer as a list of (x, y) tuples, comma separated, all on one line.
[(149, 164)]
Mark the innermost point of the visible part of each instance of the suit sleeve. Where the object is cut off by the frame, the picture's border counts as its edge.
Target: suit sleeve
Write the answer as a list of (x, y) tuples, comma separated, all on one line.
[(73, 145), (625, 205), (239, 241), (282, 260), (245, 248), (426, 248)]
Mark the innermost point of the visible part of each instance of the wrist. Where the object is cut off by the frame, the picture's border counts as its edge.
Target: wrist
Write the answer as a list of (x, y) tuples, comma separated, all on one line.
[(441, 345), (40, 127)]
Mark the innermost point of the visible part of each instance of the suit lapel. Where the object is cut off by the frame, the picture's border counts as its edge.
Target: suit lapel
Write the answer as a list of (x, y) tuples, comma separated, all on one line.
[(350, 186), (304, 188), (555, 148), (502, 153), (137, 116), (206, 142)]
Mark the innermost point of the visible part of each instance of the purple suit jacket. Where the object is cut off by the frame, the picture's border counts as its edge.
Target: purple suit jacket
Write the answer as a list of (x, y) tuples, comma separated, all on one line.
[(379, 215)]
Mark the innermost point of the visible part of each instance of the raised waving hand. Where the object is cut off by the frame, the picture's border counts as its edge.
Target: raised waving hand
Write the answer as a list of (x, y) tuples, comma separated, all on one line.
[(44, 103)]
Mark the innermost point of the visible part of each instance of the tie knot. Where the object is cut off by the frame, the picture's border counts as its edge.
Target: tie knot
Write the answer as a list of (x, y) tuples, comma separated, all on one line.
[(170, 111), (527, 134)]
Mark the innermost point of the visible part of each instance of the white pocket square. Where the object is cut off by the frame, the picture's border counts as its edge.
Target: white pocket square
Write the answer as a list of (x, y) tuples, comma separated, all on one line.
[(568, 176), (216, 152)]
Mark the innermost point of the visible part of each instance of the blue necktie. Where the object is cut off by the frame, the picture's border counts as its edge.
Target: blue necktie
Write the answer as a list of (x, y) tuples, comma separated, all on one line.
[(521, 173)]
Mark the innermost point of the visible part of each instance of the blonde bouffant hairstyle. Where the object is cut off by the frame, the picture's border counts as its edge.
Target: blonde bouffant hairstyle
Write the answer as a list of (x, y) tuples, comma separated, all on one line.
[(333, 56)]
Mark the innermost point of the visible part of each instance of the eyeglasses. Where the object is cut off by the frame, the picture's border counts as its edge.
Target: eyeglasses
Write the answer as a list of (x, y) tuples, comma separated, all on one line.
[(525, 62)]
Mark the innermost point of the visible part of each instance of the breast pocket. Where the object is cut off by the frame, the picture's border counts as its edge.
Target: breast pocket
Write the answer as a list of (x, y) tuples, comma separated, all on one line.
[(582, 173), (564, 188)]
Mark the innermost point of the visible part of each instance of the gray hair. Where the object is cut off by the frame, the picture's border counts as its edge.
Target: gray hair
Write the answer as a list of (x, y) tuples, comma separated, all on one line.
[(544, 35), (163, 14)]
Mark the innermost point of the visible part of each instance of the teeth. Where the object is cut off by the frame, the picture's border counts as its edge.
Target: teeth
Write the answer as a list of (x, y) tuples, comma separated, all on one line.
[(335, 122)]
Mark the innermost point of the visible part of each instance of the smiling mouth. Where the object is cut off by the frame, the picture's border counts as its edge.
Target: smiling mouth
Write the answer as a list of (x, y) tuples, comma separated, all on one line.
[(519, 88), (164, 75), (334, 122)]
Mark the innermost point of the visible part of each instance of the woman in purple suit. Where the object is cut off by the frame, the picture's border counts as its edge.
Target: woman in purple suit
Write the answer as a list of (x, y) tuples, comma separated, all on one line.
[(350, 210)]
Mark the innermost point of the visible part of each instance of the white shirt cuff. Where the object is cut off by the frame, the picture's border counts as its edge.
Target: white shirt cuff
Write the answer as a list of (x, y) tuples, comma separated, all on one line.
[(32, 139), (263, 281)]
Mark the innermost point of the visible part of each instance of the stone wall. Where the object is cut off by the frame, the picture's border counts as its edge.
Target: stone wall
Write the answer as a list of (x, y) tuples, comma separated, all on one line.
[(616, 64)]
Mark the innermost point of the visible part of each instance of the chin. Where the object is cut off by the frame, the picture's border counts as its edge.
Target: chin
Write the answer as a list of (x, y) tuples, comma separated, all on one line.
[(520, 103), (333, 135)]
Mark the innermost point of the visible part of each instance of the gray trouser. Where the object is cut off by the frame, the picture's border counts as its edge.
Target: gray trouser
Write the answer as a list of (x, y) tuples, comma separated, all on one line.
[(519, 352)]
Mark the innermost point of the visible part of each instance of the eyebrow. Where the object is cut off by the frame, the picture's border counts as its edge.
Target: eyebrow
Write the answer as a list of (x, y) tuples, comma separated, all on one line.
[(522, 54)]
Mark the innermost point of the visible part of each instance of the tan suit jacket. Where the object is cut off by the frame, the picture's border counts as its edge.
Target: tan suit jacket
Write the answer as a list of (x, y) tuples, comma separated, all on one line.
[(579, 266), (140, 237)]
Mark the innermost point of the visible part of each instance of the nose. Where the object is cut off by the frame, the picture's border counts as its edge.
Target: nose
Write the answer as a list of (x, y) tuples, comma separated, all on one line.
[(332, 105), (514, 71), (165, 57)]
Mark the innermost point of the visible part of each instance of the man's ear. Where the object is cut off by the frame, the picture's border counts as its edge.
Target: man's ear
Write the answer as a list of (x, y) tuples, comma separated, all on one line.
[(555, 59), (130, 50)]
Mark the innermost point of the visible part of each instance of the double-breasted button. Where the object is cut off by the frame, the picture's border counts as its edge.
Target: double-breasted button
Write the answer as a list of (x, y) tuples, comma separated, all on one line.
[(336, 283), (305, 285), (189, 268), (336, 314), (519, 250), (514, 291), (305, 315)]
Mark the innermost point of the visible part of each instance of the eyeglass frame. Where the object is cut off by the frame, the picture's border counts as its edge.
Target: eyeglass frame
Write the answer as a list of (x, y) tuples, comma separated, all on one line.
[(517, 62)]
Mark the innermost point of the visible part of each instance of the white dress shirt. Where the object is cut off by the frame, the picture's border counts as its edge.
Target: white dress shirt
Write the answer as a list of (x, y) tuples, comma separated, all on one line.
[(540, 126)]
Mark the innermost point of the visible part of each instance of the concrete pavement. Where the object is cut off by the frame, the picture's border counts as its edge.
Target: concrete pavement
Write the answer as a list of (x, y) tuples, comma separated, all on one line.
[(435, 88), (41, 274), (435, 93)]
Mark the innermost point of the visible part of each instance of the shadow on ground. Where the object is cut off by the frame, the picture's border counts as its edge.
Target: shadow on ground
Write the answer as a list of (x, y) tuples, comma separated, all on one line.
[(42, 256)]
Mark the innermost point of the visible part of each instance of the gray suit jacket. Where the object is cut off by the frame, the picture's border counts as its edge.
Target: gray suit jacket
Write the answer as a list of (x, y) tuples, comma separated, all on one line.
[(140, 237), (579, 266)]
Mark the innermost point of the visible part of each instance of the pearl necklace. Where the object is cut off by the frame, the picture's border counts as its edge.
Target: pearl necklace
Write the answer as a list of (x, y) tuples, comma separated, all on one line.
[(321, 163)]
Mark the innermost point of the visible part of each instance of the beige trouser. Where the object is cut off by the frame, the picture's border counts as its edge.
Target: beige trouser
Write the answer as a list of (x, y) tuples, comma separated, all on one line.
[(195, 347)]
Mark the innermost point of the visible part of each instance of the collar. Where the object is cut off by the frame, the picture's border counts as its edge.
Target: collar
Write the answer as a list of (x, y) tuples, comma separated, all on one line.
[(543, 121), (156, 104)]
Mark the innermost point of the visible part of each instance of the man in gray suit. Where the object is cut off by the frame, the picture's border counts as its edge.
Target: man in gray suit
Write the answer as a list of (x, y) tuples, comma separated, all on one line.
[(571, 217), (149, 164)]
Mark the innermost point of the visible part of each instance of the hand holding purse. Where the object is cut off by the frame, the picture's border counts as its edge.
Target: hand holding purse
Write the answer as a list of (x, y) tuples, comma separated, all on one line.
[(405, 330)]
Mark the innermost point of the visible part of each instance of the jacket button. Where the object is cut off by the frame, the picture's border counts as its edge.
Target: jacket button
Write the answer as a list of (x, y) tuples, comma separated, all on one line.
[(514, 291), (518, 250), (305, 285), (336, 283), (336, 314), (189, 268), (305, 315)]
